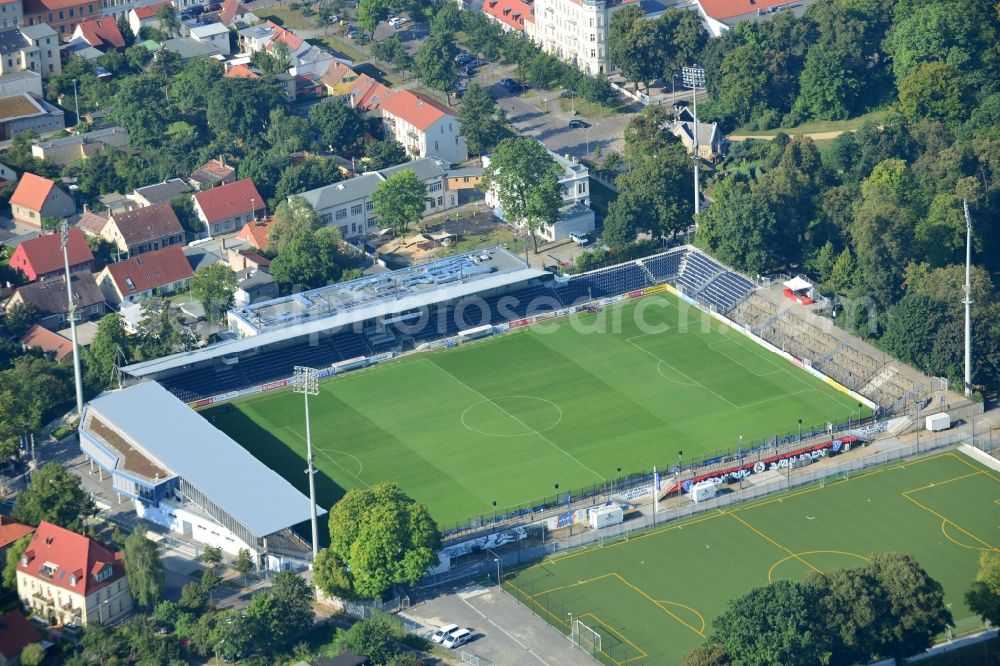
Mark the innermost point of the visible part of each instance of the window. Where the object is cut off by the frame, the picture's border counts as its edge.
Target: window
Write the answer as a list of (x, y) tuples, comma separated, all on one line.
[(431, 202), (62, 28), (10, 62), (370, 206), (593, 37), (440, 201), (434, 187), (343, 231), (436, 147), (61, 14), (341, 214), (354, 227), (593, 53), (356, 209), (581, 188), (72, 12)]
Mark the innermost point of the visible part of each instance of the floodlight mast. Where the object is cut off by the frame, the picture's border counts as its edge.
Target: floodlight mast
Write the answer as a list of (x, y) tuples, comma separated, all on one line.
[(968, 299), (71, 312), (306, 382), (694, 77)]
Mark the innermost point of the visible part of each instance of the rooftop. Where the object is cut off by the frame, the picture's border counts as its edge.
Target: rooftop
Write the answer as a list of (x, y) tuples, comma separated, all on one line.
[(11, 40), (149, 11), (17, 634), (69, 560), (11, 531), (164, 191), (101, 31), (209, 29), (721, 10), (229, 200), (178, 440), (49, 296), (151, 270), (44, 253), (95, 136), (49, 342), (416, 109), (19, 106), (142, 225)]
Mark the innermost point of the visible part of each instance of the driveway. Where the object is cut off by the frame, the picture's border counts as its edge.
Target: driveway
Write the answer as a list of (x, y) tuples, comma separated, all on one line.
[(504, 632)]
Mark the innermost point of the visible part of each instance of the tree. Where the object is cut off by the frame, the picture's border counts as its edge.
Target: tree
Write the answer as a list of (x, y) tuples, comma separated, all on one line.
[(656, 195), (383, 537), (646, 135), (20, 317), (525, 180), (55, 496), (377, 637), (214, 287), (241, 108), (739, 228), (446, 20), (13, 557), (183, 207), (435, 63), (32, 392), (100, 643), (385, 154), (393, 51), (481, 125), (399, 200), (309, 174), (212, 555), (140, 107), (933, 90), (193, 598), (636, 45), (170, 24), (141, 557), (111, 345), (32, 654), (292, 217), (126, 29), (243, 564), (828, 87), (307, 259), (707, 655), (339, 126), (190, 89), (283, 614), (779, 623), (370, 13), (984, 596), (159, 333)]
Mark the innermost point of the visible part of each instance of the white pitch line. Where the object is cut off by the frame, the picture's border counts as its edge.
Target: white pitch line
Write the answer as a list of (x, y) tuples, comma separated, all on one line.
[(523, 424), (692, 379), (331, 458)]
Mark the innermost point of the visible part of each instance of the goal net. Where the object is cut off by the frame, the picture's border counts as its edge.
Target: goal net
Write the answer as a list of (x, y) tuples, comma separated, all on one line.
[(585, 638)]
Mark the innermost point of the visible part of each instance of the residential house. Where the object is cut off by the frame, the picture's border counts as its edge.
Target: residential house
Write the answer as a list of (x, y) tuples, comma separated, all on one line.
[(426, 128), (145, 229), (234, 13), (226, 208), (213, 172), (159, 192), (16, 633), (255, 233), (709, 136), (253, 286), (60, 15), (187, 48), (367, 94), (33, 48), (466, 178), (244, 259), (213, 34), (101, 33), (36, 197), (49, 342), (304, 58), (70, 578), (510, 15), (145, 16), (11, 531), (41, 257), (721, 15), (91, 223), (575, 31), (243, 71), (348, 204), (575, 215), (7, 175), (11, 13), (50, 299), (23, 111), (68, 149), (128, 282)]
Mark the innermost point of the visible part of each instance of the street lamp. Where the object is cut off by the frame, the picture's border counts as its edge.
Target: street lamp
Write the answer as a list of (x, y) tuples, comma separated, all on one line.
[(494, 511), (306, 382), (497, 560), (588, 137), (800, 430), (694, 77)]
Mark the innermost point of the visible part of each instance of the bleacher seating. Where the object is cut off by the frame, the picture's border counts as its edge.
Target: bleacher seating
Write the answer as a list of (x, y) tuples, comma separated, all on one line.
[(613, 281), (665, 266)]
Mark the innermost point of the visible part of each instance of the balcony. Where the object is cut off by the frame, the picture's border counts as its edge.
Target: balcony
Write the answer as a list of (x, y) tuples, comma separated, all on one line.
[(45, 599)]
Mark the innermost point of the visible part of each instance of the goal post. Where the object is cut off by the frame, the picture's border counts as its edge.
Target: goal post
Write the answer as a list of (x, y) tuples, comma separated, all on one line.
[(585, 638)]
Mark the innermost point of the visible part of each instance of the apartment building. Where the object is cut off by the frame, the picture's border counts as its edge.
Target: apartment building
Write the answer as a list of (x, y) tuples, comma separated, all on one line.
[(575, 31), (425, 127), (11, 13), (29, 48), (61, 15)]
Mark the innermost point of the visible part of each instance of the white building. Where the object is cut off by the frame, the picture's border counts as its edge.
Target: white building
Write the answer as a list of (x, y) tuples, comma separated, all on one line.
[(575, 216), (720, 15), (349, 206), (32, 48), (214, 34), (575, 31), (186, 476), (425, 127)]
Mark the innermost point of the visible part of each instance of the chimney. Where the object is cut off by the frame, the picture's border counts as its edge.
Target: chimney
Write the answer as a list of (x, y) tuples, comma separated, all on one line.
[(86, 209), (222, 160)]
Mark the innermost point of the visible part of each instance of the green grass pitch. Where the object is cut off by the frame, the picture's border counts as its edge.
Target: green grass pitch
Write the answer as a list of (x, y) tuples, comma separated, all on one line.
[(652, 597), (568, 401)]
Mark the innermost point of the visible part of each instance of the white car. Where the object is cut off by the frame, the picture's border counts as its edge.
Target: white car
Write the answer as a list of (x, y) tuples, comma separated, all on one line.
[(442, 633), (397, 21)]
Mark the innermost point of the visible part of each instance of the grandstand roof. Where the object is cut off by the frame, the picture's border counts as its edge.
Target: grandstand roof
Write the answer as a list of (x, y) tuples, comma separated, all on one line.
[(195, 450), (342, 304)]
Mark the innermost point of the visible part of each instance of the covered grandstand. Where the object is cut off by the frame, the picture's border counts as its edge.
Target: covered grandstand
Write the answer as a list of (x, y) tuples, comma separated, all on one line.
[(188, 477)]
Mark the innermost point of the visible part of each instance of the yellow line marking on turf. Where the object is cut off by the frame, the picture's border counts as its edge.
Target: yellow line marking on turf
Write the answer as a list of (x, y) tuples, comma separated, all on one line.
[(566, 587), (701, 617), (985, 470), (642, 653), (944, 524), (653, 601), (811, 552), (906, 494), (775, 543)]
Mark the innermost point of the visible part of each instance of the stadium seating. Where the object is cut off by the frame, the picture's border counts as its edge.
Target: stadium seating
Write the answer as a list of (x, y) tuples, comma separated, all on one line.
[(667, 266), (613, 281)]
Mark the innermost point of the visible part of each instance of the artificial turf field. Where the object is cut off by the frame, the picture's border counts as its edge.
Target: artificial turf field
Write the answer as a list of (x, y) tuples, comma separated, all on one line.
[(652, 597), (566, 402)]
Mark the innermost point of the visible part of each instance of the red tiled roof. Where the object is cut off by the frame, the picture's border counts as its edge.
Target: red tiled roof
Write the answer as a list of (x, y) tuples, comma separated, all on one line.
[(510, 12), (241, 72), (149, 11), (98, 32), (418, 110), (256, 233), (49, 342), (11, 530), (336, 73), (92, 223), (150, 270), (16, 634), (725, 9), (142, 225), (230, 200), (260, 260), (292, 40), (43, 254), (71, 555), (31, 191), (230, 10), (368, 94), (214, 169)]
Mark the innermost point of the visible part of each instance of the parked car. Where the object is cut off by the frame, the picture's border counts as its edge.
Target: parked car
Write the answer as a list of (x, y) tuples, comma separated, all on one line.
[(579, 124), (463, 58), (513, 86), (439, 635), (457, 638), (579, 239)]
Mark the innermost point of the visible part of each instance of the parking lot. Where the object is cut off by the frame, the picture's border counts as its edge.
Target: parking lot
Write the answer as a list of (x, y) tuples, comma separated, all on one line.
[(502, 629)]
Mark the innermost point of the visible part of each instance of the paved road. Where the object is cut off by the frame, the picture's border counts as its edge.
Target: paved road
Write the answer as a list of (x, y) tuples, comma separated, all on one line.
[(504, 631)]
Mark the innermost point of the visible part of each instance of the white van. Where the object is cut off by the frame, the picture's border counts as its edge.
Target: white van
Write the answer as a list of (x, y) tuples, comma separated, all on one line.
[(457, 638), (442, 633), (579, 239)]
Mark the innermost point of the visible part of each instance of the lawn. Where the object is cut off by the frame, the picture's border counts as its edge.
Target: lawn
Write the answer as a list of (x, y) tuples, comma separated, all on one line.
[(653, 596), (817, 126), (568, 401), (286, 17)]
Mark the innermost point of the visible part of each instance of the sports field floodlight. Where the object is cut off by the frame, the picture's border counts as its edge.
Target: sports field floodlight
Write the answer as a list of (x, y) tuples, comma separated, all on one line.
[(968, 300), (306, 381), (694, 78), (71, 313), (497, 560)]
